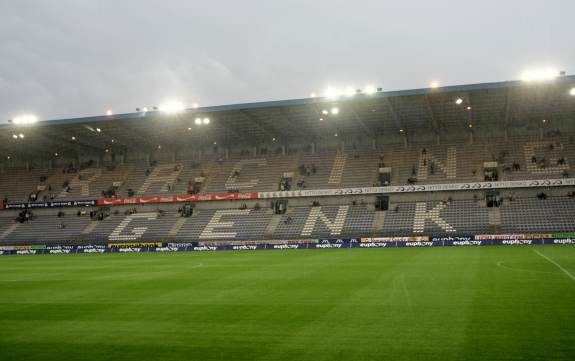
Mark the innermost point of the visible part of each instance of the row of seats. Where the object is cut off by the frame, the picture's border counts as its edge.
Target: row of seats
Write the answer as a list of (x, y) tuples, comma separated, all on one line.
[(521, 215), (430, 164)]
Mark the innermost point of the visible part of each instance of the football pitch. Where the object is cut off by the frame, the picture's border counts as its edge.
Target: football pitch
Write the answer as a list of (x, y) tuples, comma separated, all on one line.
[(484, 303)]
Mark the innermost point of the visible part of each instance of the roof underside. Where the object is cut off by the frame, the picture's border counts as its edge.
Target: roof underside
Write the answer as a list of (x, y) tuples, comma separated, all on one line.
[(492, 105)]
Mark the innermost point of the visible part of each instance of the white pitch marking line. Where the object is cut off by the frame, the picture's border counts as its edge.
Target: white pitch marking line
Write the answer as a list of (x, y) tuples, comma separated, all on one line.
[(556, 264)]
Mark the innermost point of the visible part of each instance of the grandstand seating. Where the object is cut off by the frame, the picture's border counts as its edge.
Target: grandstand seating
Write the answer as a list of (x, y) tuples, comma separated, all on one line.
[(538, 216), (408, 218), (462, 216), (333, 169)]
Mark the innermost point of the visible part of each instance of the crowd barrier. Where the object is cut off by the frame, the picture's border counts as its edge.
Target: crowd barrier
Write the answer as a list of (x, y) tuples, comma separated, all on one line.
[(371, 242)]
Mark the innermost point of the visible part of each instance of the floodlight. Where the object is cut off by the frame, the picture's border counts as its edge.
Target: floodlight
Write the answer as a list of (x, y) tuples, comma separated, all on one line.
[(198, 121), (21, 136), (334, 111), (145, 109), (195, 105), (312, 95), (332, 93), (25, 119), (540, 74), (370, 89), (171, 107), (434, 84), (572, 91), (14, 136), (109, 112), (324, 112), (459, 101), (98, 130), (206, 121)]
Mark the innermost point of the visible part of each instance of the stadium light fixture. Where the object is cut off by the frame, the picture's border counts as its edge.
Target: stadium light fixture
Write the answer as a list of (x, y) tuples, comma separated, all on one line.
[(190, 128), (324, 112), (434, 84), (195, 105), (459, 101), (198, 121), (312, 95), (21, 136), (321, 119), (206, 121), (572, 91), (332, 93), (144, 109), (109, 112), (14, 136), (99, 130), (370, 89), (171, 107), (334, 111), (25, 119), (539, 74)]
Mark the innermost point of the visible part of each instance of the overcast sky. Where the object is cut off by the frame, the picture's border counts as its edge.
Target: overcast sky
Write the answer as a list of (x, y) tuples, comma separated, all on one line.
[(69, 58)]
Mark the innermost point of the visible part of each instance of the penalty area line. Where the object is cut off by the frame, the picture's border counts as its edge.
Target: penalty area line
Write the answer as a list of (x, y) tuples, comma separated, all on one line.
[(556, 264)]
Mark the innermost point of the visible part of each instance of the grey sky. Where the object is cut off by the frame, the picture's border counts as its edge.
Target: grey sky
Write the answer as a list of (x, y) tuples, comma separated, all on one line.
[(68, 58)]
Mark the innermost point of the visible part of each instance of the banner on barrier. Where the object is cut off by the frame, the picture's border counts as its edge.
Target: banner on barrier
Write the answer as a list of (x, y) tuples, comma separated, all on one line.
[(135, 244), (176, 199), (420, 188), (52, 204)]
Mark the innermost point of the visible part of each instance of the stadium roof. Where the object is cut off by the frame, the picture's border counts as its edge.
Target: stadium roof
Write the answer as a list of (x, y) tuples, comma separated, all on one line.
[(430, 110)]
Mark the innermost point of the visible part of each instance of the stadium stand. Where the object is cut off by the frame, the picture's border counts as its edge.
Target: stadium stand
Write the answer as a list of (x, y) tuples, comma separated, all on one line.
[(414, 138)]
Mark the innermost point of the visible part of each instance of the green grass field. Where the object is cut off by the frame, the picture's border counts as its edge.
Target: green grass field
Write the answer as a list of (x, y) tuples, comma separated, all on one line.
[(488, 303)]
